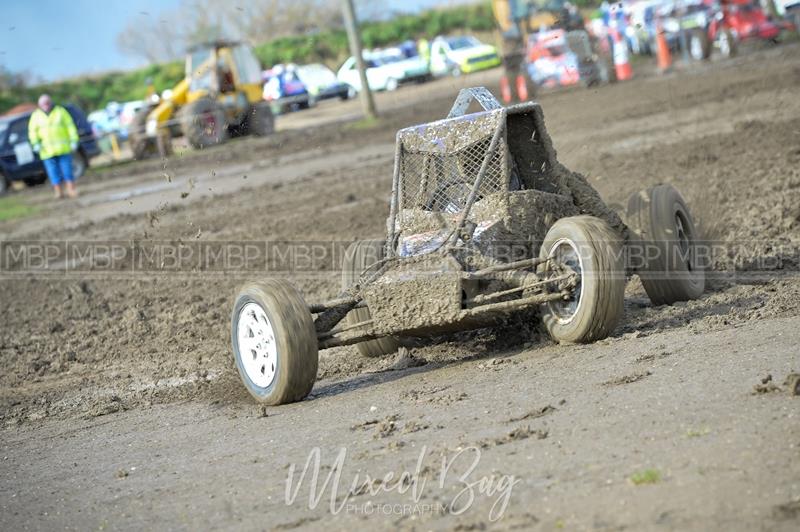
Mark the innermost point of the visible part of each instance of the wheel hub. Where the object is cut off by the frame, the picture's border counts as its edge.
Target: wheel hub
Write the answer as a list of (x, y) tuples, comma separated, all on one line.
[(684, 240), (257, 348), (565, 254)]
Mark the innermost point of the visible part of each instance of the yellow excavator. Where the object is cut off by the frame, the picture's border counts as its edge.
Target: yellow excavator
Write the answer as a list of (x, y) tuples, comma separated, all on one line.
[(220, 96)]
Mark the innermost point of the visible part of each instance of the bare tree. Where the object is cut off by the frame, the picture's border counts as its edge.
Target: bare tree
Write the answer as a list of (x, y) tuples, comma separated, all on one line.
[(155, 39), (164, 36)]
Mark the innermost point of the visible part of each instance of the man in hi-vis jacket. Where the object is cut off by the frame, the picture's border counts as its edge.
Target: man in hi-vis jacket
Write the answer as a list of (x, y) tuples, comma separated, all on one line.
[(52, 133)]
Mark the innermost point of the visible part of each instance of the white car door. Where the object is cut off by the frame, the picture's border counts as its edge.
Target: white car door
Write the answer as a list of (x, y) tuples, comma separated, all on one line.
[(439, 61), (348, 73)]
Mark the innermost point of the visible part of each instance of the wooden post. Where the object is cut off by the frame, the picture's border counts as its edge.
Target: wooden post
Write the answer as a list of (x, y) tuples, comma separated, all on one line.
[(354, 36)]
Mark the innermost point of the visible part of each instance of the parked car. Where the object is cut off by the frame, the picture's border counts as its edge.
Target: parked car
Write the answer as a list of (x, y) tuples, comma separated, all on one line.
[(321, 82), (461, 55), (729, 24), (385, 71), (102, 122), (284, 89), (18, 161)]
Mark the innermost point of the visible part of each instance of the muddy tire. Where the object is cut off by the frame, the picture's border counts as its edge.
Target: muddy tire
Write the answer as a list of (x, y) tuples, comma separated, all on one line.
[(260, 121), (142, 146), (590, 247), (203, 123), (358, 256), (274, 342), (663, 248), (726, 43), (699, 45), (79, 164)]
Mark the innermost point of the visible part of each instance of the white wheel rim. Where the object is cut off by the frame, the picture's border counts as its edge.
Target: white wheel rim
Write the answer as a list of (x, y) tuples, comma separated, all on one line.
[(724, 46), (566, 254), (258, 351), (697, 49)]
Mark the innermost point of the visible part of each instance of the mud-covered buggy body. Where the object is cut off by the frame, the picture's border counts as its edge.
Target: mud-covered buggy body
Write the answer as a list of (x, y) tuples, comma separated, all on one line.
[(484, 221)]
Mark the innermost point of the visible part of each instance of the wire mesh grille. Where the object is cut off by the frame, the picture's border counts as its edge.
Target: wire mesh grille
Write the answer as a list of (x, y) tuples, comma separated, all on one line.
[(442, 182)]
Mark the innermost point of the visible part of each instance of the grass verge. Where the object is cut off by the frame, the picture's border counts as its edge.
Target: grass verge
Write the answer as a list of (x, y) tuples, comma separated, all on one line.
[(12, 208)]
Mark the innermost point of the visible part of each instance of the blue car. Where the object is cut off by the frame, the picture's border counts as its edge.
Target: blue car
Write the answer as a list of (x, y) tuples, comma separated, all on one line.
[(18, 162)]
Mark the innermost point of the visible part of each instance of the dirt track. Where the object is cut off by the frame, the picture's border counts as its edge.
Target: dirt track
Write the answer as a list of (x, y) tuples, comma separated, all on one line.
[(121, 407)]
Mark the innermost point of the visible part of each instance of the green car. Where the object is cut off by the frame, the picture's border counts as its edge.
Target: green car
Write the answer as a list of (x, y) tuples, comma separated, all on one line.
[(461, 55)]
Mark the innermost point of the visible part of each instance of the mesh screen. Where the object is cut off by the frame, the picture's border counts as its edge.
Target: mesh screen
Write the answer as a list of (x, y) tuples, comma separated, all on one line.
[(442, 182)]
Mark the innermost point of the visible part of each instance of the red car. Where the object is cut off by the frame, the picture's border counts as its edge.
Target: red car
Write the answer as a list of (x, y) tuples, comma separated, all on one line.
[(737, 21)]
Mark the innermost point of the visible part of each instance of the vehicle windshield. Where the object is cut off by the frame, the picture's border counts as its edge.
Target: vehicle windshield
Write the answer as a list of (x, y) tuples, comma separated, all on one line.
[(201, 79), (460, 43)]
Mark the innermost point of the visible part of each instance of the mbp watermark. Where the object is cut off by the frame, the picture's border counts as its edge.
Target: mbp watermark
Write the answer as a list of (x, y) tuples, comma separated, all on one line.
[(727, 260), (455, 480)]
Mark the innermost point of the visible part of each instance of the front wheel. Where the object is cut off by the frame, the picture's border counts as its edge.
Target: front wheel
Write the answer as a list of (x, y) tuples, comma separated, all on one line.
[(260, 121), (391, 84), (699, 45), (142, 146), (589, 248), (79, 165), (358, 257), (664, 245), (203, 123), (274, 342)]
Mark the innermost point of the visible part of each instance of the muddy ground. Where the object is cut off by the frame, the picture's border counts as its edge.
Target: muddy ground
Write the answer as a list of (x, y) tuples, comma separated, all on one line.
[(120, 406)]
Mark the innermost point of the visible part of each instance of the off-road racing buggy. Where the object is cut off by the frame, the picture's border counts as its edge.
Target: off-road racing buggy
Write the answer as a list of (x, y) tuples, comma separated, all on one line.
[(484, 222)]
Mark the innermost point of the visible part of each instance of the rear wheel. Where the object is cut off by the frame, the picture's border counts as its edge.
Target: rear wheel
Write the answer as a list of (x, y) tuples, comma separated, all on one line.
[(3, 184), (726, 43), (260, 121), (358, 257), (590, 248), (141, 145), (664, 245), (79, 164), (203, 123), (699, 45), (274, 342)]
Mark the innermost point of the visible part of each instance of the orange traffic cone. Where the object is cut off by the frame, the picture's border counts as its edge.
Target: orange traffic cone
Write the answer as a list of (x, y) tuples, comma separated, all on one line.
[(662, 50), (621, 63), (522, 88), (505, 90)]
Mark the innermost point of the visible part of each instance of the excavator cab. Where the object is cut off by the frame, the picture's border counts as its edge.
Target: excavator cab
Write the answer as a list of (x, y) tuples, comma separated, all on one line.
[(219, 96)]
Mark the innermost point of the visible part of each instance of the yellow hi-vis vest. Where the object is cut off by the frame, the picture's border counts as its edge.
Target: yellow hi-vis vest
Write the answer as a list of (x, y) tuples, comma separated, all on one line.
[(55, 132)]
